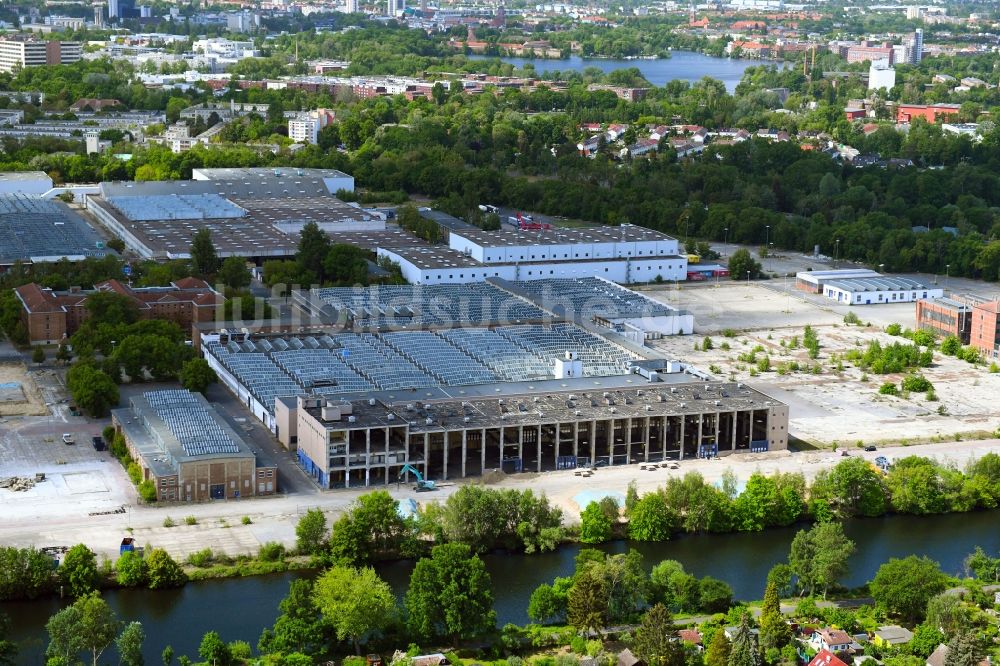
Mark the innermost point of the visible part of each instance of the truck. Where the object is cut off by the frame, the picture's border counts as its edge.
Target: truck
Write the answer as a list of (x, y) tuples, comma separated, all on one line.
[(527, 223), (694, 258), (487, 208)]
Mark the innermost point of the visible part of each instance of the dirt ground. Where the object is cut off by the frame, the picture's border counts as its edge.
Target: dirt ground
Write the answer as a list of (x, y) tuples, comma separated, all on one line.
[(32, 403), (839, 403)]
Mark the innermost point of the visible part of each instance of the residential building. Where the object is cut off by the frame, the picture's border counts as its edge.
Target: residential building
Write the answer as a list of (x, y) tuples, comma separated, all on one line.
[(93, 104), (305, 127), (985, 334), (946, 316), (189, 451), (860, 53), (52, 316), (19, 51), (832, 640), (826, 658), (915, 47)]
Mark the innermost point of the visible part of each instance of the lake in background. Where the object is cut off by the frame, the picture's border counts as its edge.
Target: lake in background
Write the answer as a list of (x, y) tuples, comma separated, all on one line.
[(240, 608), (687, 65)]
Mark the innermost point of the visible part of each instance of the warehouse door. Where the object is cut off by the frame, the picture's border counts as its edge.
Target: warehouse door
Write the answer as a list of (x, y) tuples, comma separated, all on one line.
[(218, 490)]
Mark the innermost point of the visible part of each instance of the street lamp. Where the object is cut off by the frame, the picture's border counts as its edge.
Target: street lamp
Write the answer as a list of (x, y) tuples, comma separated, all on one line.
[(725, 245), (748, 279), (836, 253), (767, 235), (881, 267), (947, 274)]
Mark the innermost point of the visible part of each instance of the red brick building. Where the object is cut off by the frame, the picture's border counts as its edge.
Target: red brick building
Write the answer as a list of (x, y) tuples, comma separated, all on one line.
[(52, 316), (985, 334), (932, 113), (946, 316)]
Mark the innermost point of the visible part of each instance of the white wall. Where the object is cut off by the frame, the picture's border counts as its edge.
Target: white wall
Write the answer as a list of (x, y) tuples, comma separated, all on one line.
[(562, 251), (879, 297)]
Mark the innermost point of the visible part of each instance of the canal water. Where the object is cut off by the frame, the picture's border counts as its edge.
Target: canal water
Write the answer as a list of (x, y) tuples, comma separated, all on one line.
[(686, 65), (240, 608)]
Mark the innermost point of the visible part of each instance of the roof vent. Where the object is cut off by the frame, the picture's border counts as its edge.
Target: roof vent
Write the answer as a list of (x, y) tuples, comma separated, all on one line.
[(371, 402), (429, 421), (466, 419), (390, 417), (352, 419)]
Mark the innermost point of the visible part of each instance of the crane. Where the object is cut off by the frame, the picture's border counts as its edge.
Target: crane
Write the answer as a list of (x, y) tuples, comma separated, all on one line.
[(422, 484)]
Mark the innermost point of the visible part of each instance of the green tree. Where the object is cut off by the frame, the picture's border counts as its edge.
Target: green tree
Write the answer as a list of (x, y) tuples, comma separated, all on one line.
[(214, 650), (949, 613), (714, 595), (965, 649), (595, 526), (781, 576), (129, 644), (587, 603), (314, 245), (196, 375), (717, 653), (741, 263), (651, 519), (25, 573), (819, 556), (130, 569), (234, 274), (163, 570), (371, 529), (547, 604), (89, 625), (300, 627), (310, 532), (355, 602), (167, 656), (38, 354), (853, 488), (774, 631), (78, 573), (656, 640), (450, 595), (91, 389), (204, 260), (926, 639), (745, 651), (106, 307), (904, 586)]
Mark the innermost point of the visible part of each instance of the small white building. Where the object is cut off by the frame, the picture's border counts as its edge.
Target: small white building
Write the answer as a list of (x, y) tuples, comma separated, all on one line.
[(304, 127), (865, 287), (881, 75)]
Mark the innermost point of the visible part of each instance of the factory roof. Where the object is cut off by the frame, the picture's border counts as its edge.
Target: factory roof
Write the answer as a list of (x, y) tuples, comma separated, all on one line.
[(176, 426), (301, 210), (878, 283), (253, 186), (243, 173), (437, 256), (626, 233), (21, 176), (548, 402), (818, 277), (33, 229)]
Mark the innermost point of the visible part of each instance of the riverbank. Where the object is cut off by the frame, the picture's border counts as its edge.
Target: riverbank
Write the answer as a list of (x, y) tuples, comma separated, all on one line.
[(219, 526)]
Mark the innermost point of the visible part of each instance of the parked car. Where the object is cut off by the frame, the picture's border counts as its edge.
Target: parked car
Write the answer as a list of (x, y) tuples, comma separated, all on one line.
[(67, 438), (99, 443), (870, 448)]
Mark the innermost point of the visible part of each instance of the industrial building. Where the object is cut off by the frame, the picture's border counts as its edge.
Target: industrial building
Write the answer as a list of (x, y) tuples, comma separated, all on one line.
[(367, 442), (624, 254), (189, 451), (946, 316), (52, 316), (859, 286), (255, 215), (34, 230), (29, 183), (457, 379)]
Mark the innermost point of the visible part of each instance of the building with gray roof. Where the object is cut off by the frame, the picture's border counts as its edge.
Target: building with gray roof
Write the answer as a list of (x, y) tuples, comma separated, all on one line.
[(866, 287), (34, 230), (189, 451)]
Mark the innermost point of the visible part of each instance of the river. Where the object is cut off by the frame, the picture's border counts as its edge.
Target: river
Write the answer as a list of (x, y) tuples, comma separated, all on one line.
[(686, 65), (240, 608)]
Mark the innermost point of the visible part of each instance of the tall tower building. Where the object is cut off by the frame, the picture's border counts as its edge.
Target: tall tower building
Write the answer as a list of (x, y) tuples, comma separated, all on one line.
[(915, 47)]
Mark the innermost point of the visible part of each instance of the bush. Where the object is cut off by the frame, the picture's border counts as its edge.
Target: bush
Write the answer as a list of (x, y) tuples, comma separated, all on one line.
[(706, 344), (246, 520), (272, 551), (147, 491), (917, 383), (130, 569), (893, 329), (201, 558), (353, 661), (888, 388), (134, 473), (852, 318), (168, 522), (163, 570), (190, 520)]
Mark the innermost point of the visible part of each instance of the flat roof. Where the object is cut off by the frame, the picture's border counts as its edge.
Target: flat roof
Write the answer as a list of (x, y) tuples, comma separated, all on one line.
[(33, 229), (879, 283), (237, 173), (20, 176), (258, 186), (436, 256), (171, 427), (843, 273), (626, 233), (550, 402)]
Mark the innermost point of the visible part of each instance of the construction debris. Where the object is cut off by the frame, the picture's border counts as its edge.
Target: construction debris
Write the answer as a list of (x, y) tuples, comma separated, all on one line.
[(17, 483)]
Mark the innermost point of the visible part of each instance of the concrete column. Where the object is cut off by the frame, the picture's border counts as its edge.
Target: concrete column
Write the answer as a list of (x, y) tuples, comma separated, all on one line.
[(681, 440), (444, 446), (736, 416), (368, 456), (482, 452), (628, 441), (665, 426), (576, 439), (717, 425), (347, 461), (501, 445), (520, 444), (538, 444), (646, 433), (767, 427), (593, 441), (465, 451), (427, 454), (701, 422), (555, 456)]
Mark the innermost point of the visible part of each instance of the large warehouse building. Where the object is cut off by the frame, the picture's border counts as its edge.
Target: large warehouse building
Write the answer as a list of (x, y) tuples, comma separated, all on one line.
[(455, 380), (860, 286), (189, 451), (256, 215), (34, 230), (624, 254)]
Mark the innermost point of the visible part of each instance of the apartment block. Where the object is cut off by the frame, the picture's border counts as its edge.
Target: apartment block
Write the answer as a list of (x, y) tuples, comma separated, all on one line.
[(19, 51)]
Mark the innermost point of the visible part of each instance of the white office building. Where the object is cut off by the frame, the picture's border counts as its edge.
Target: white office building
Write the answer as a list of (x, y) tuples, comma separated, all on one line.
[(305, 127), (626, 254), (881, 76)]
